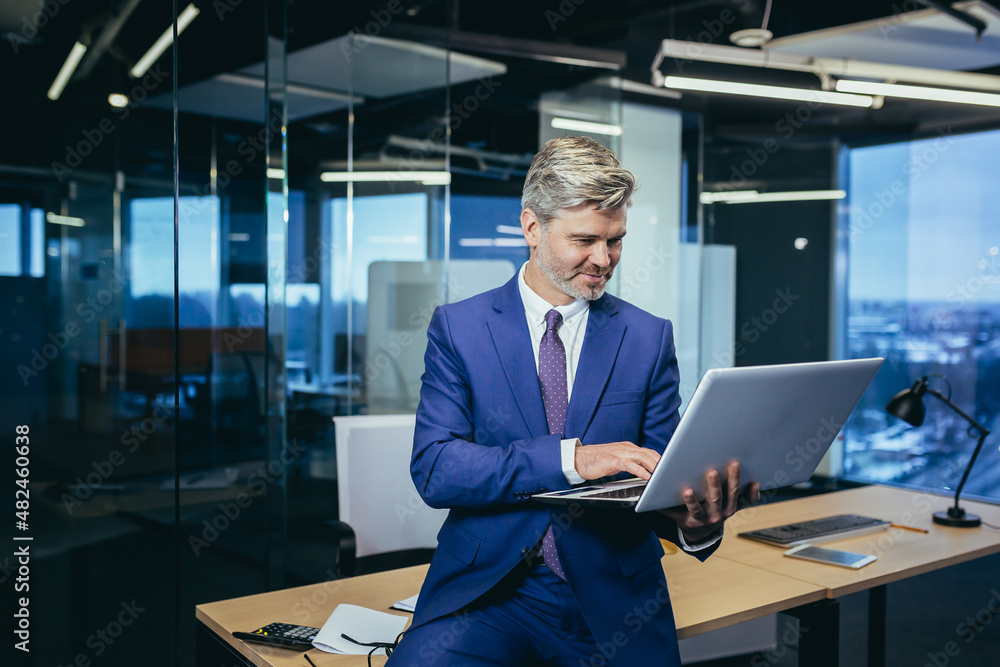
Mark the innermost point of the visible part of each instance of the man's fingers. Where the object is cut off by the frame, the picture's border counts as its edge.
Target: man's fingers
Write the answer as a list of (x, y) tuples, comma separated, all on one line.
[(640, 461), (733, 495), (694, 508), (636, 468), (595, 461)]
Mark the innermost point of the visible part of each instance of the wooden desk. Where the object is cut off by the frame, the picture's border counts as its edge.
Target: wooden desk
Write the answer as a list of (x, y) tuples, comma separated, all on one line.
[(705, 596), (742, 581), (901, 553), (305, 605)]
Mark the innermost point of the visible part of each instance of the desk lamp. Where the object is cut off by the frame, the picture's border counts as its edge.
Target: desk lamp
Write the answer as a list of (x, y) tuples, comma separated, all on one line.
[(908, 405)]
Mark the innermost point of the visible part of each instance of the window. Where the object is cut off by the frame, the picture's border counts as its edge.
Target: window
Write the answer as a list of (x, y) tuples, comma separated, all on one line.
[(487, 227), (151, 270), (12, 242), (923, 291)]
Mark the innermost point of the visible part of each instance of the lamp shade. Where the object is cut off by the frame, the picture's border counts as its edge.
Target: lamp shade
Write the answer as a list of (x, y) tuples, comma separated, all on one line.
[(908, 404)]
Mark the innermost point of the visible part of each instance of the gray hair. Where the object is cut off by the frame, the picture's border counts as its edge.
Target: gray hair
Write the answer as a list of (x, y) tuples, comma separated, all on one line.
[(571, 171)]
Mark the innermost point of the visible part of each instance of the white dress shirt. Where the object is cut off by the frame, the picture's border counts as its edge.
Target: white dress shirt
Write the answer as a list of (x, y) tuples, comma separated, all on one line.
[(575, 315)]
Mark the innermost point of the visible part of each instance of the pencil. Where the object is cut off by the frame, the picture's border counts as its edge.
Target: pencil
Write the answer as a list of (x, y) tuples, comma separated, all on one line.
[(915, 530), (309, 660)]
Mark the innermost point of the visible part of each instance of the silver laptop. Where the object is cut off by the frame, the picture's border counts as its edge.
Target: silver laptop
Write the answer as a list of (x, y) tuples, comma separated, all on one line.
[(777, 421)]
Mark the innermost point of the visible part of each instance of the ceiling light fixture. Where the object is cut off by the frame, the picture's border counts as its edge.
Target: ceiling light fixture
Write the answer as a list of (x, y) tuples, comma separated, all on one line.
[(713, 197), (64, 220), (164, 42), (751, 37), (424, 177), (770, 92), (824, 68), (276, 174), (586, 126), (919, 92), (66, 71), (754, 197), (117, 100), (499, 242)]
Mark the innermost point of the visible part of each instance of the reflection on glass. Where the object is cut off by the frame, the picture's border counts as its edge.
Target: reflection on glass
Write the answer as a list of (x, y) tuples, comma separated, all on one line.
[(386, 227), (487, 227), (37, 254), (150, 301), (924, 292), (10, 240)]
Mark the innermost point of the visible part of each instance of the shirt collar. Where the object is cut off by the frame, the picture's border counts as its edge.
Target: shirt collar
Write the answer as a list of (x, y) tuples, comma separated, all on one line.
[(535, 306)]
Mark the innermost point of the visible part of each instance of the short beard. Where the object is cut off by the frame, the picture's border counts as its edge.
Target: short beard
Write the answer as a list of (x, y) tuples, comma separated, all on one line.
[(586, 293)]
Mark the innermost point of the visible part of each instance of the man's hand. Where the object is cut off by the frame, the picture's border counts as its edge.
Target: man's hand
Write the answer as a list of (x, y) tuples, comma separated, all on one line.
[(596, 461), (698, 520)]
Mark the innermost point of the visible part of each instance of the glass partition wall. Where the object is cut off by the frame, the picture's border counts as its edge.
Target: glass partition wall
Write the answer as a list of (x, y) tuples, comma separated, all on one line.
[(197, 280), (147, 373)]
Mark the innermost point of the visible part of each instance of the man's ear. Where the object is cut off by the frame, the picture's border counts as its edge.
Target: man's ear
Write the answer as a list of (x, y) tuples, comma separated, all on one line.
[(531, 228)]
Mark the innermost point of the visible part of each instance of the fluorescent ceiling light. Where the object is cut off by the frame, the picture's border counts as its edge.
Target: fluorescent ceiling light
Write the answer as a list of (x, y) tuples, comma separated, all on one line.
[(713, 197), (425, 177), (840, 68), (772, 92), (64, 220), (499, 242), (754, 197), (919, 92), (276, 174), (164, 42), (511, 229), (586, 126), (66, 71), (629, 86)]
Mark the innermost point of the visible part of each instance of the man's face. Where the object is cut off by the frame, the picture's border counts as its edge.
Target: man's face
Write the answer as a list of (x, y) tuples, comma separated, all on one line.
[(575, 254)]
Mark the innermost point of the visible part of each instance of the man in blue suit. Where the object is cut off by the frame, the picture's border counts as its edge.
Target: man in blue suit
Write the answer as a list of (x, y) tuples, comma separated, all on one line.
[(539, 385)]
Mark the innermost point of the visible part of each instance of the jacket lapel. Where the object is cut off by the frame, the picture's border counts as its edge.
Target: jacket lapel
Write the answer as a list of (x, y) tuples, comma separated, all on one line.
[(601, 343), (509, 331)]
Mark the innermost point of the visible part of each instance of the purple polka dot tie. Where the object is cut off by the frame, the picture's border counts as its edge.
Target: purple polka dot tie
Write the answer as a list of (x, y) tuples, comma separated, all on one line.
[(555, 396)]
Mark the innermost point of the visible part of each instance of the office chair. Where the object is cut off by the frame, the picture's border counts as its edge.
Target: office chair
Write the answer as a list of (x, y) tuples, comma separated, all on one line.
[(392, 525)]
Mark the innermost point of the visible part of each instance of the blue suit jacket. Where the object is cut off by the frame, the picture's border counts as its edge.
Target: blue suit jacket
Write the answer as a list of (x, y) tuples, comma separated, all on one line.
[(482, 447)]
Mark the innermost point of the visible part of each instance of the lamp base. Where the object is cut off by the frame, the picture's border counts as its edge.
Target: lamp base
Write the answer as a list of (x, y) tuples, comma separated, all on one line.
[(956, 517)]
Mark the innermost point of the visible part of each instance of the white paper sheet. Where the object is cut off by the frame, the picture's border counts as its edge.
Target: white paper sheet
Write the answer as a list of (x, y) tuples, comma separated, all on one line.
[(409, 604), (360, 623)]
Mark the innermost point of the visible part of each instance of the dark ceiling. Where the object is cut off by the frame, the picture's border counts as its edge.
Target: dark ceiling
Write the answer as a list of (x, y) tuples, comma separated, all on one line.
[(230, 34)]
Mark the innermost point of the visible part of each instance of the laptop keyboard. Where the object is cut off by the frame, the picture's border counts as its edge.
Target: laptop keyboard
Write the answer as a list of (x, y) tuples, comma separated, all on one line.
[(818, 529), (619, 494)]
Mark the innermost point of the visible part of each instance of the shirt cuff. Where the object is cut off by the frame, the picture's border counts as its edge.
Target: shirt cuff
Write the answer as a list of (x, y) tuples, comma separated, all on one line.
[(701, 545), (568, 454)]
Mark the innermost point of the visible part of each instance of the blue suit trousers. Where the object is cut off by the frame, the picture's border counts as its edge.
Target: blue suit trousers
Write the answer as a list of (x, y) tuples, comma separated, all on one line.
[(530, 618)]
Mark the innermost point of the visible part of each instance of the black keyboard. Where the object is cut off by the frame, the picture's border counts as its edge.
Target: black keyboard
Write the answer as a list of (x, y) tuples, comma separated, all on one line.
[(818, 530), (619, 494)]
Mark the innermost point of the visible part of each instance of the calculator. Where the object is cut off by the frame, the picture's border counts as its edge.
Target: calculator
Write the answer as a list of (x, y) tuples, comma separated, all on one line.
[(282, 634)]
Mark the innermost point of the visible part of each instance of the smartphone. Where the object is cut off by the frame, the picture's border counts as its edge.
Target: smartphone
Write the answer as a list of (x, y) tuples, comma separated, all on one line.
[(831, 556)]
